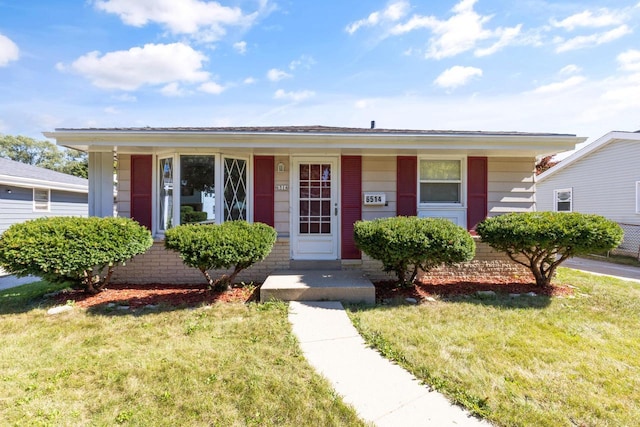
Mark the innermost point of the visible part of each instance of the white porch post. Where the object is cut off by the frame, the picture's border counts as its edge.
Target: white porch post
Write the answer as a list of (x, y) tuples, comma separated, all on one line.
[(101, 184)]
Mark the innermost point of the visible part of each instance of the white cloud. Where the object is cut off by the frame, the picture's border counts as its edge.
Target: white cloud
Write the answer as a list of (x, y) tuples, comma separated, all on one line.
[(294, 96), (629, 60), (601, 18), (172, 89), (276, 75), (9, 51), (457, 76), (152, 64), (560, 86), (569, 69), (240, 47), (392, 13), (460, 33), (597, 39), (125, 97), (212, 88), (305, 61), (206, 20), (249, 81), (111, 110)]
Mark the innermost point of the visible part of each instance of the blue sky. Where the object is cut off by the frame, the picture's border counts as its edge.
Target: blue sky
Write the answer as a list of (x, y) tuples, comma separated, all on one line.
[(504, 65)]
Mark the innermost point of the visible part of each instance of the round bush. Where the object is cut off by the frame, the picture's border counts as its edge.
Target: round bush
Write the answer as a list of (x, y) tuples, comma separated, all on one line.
[(543, 240), (407, 244), (73, 249), (235, 244)]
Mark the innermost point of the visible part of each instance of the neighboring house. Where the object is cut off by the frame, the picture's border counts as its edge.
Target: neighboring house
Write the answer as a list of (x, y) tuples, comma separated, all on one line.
[(602, 178), (310, 183), (28, 192)]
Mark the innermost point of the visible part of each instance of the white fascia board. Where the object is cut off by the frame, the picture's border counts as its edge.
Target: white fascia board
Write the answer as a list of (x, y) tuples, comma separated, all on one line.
[(39, 183), (585, 151), (99, 140)]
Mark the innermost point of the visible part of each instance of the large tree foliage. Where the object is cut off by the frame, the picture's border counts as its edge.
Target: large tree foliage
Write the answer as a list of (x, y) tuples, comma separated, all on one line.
[(44, 154), (541, 241)]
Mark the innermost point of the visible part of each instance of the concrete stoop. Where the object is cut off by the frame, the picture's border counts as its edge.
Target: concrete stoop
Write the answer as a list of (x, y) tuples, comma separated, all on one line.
[(318, 285)]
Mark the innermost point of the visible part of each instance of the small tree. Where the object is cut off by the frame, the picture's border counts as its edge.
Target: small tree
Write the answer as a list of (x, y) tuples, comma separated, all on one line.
[(236, 244), (541, 241), (406, 245), (72, 249)]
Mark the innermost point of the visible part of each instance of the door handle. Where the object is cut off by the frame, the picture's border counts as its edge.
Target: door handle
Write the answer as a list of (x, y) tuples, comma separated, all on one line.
[(335, 209)]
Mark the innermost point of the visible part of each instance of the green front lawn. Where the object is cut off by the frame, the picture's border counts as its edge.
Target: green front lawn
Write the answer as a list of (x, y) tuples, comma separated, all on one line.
[(226, 365), (527, 361)]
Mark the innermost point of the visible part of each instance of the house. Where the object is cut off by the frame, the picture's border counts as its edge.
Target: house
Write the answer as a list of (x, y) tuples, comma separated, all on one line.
[(28, 192), (310, 182), (602, 178)]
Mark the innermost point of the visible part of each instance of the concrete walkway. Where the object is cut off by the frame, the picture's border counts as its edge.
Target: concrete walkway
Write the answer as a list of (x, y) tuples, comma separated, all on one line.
[(7, 281), (382, 392)]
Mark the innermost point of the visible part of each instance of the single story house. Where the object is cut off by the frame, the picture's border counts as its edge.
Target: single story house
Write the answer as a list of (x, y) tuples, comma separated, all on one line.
[(601, 178), (310, 182), (29, 192)]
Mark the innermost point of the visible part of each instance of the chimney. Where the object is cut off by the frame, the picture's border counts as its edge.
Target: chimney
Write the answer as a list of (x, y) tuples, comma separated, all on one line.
[(373, 124)]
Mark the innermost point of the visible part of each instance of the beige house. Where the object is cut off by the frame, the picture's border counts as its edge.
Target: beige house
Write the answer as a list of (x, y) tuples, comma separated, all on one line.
[(311, 183)]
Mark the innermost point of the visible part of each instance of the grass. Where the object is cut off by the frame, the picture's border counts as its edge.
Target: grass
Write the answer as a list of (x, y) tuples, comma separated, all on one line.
[(222, 365), (527, 361)]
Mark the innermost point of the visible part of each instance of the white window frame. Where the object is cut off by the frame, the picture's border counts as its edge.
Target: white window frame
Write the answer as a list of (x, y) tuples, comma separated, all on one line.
[(218, 177), (556, 201), (40, 205), (462, 181)]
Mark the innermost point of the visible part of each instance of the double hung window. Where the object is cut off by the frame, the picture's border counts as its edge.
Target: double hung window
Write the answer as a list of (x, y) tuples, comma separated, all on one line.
[(440, 181)]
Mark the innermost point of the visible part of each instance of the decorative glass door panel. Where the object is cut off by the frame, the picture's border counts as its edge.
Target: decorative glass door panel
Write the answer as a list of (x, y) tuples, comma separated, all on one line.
[(316, 207), (235, 189), (315, 198)]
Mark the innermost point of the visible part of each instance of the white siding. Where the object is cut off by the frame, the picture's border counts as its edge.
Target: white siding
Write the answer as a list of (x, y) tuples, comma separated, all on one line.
[(123, 198), (511, 185), (603, 183), (379, 175)]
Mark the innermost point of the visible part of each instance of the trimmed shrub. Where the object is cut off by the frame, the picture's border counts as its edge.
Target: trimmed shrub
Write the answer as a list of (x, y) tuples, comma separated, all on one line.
[(72, 249), (541, 241), (406, 245), (236, 244)]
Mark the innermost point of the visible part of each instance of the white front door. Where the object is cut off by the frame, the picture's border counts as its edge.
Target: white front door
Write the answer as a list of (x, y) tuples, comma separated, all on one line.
[(315, 209)]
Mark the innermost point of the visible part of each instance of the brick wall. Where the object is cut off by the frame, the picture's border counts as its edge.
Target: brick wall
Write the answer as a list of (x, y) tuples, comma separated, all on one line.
[(158, 265)]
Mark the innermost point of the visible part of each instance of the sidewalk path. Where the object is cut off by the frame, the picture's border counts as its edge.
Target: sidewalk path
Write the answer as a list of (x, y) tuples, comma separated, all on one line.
[(381, 392)]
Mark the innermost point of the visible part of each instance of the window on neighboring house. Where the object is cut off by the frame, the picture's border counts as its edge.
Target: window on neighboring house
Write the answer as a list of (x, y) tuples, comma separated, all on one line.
[(440, 181), (41, 200), (563, 200)]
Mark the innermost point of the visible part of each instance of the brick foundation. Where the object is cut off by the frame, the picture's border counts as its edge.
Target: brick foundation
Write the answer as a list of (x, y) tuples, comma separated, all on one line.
[(159, 265)]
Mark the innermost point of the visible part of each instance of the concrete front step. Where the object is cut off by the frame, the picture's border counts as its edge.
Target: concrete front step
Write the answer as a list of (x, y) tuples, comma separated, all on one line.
[(318, 285)]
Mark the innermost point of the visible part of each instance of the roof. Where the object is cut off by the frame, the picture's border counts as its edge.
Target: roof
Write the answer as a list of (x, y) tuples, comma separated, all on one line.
[(25, 175), (306, 129), (288, 139), (596, 145)]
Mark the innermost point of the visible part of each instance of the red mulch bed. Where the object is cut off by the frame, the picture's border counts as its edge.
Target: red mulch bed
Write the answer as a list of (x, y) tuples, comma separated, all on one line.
[(137, 296), (440, 287)]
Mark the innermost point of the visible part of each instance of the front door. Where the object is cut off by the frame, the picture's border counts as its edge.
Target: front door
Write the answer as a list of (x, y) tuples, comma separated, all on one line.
[(315, 209)]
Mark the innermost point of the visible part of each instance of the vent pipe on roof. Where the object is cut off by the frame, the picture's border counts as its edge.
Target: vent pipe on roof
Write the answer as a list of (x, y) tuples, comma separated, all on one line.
[(373, 124)]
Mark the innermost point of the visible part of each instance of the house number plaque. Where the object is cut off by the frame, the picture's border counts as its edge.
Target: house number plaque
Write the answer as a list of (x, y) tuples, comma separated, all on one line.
[(375, 199)]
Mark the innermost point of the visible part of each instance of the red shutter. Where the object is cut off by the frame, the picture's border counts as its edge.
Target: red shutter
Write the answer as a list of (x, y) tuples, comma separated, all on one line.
[(476, 191), (141, 188), (351, 192), (263, 189), (406, 186)]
